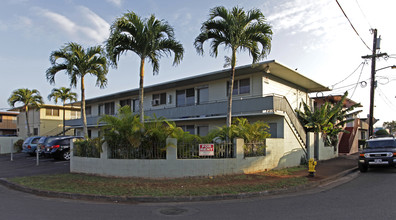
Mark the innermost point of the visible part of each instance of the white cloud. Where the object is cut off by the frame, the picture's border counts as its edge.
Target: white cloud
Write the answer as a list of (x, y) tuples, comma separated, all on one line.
[(118, 3), (96, 29)]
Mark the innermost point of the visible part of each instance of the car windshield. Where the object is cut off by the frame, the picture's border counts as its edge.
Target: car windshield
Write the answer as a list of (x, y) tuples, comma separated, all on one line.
[(381, 144)]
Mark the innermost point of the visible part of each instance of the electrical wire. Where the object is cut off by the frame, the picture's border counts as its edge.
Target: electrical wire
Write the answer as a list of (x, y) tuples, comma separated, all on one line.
[(352, 25), (361, 71), (386, 99), (364, 15), (347, 76)]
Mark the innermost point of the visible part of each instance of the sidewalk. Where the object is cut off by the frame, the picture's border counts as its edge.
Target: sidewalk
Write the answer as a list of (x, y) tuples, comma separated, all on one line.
[(336, 167), (326, 171)]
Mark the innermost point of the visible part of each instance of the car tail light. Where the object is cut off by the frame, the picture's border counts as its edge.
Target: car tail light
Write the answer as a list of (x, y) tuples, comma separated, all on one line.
[(394, 154), (29, 146), (55, 146), (361, 155)]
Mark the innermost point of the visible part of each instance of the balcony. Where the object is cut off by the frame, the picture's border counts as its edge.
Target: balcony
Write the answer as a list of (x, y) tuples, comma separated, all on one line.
[(209, 109)]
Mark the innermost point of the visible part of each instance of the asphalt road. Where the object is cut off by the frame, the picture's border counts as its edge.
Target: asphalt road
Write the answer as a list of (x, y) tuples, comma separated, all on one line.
[(358, 196)]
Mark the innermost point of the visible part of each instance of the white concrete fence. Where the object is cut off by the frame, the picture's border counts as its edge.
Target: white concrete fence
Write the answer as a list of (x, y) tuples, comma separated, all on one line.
[(279, 154), (7, 144)]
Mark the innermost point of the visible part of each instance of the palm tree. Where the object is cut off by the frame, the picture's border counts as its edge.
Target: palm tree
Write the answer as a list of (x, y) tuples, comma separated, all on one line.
[(78, 62), (328, 119), (236, 30), (148, 38), (28, 98), (63, 94)]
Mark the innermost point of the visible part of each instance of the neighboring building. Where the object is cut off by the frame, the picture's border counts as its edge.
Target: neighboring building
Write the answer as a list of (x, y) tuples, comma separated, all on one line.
[(8, 123), (45, 121), (268, 91), (348, 142)]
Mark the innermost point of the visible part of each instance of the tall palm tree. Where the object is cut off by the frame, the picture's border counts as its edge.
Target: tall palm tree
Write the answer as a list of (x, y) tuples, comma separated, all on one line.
[(236, 30), (149, 38), (78, 62), (63, 94), (28, 98)]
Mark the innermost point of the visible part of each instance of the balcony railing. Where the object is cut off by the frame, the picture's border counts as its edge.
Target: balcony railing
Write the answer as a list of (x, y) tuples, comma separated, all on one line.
[(242, 106)]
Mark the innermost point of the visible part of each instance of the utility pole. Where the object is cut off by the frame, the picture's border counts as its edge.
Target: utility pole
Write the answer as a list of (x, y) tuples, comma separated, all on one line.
[(373, 82)]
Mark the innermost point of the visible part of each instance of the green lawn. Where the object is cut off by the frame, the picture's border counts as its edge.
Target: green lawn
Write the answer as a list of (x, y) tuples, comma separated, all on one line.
[(110, 186)]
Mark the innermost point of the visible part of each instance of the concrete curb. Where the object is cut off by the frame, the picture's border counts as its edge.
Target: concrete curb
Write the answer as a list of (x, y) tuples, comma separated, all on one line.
[(163, 199)]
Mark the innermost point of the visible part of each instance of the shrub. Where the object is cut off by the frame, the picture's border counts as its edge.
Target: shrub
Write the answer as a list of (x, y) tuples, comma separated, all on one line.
[(18, 145), (88, 148)]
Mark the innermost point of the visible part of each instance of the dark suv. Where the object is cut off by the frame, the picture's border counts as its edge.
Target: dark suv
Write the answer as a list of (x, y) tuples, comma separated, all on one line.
[(60, 147), (378, 152)]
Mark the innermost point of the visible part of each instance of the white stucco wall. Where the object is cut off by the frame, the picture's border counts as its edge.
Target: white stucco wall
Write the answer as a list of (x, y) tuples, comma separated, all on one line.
[(281, 153), (7, 143)]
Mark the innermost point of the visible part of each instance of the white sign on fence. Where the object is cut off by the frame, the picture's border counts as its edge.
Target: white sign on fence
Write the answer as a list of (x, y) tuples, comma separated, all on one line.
[(206, 150)]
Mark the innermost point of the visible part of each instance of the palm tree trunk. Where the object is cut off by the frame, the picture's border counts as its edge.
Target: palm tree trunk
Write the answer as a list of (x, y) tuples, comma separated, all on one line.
[(229, 109), (27, 120), (84, 117), (141, 91), (64, 132)]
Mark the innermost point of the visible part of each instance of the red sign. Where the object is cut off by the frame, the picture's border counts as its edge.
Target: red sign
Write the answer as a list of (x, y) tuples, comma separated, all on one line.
[(206, 150)]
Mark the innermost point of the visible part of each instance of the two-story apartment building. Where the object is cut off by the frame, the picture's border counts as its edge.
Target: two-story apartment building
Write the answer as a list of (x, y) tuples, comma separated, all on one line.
[(8, 123), (267, 91), (45, 121)]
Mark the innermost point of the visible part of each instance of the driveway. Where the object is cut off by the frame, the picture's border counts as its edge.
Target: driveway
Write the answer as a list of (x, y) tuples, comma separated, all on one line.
[(25, 165)]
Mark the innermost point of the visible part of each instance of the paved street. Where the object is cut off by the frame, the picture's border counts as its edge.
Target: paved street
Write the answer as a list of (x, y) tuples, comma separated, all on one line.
[(368, 196)]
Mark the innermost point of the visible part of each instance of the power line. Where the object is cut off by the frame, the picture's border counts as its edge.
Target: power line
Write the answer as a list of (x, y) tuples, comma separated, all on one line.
[(348, 75), (352, 25), (361, 71), (363, 14)]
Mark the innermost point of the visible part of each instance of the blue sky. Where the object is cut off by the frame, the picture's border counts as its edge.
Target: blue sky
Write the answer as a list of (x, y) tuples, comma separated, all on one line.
[(311, 35)]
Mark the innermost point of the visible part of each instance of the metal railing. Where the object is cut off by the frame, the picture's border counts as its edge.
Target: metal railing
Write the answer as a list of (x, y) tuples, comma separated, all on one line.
[(255, 149), (191, 151), (281, 104), (154, 151)]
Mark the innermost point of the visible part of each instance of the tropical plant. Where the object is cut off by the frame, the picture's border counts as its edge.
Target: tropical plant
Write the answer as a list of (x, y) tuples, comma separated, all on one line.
[(77, 63), (88, 147), (149, 38), (391, 125), (29, 98), (239, 31), (129, 138), (63, 94), (329, 119)]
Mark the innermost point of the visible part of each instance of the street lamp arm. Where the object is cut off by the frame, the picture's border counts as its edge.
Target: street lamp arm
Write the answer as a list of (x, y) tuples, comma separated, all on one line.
[(392, 67)]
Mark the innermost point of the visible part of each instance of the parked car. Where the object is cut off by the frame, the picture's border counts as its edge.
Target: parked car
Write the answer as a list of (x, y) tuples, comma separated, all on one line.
[(44, 141), (30, 145), (59, 148), (378, 152)]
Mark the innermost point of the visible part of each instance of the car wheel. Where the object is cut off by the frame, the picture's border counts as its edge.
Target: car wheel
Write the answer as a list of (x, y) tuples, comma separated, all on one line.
[(363, 168), (66, 155)]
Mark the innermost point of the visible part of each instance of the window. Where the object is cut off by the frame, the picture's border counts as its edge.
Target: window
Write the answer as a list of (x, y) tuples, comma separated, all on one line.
[(88, 110), (202, 130), (203, 95), (273, 130), (125, 102), (35, 132), (159, 99), (241, 86), (185, 97), (51, 112), (1, 118), (89, 133), (135, 105), (188, 128), (106, 108), (75, 114)]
